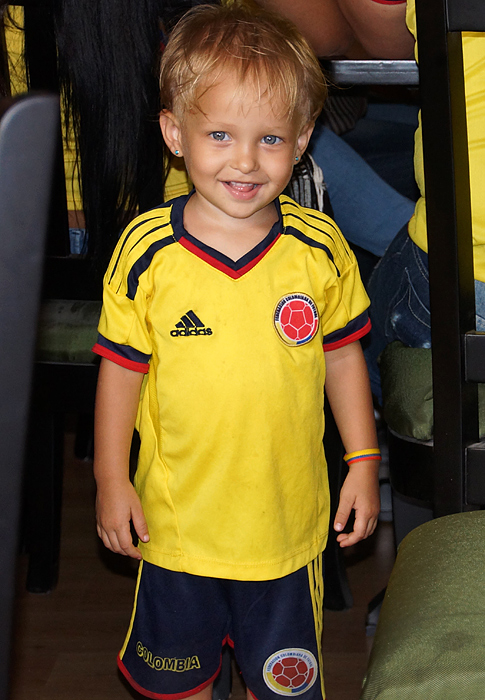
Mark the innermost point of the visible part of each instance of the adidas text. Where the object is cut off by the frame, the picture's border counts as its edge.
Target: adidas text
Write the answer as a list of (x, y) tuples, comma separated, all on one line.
[(190, 331)]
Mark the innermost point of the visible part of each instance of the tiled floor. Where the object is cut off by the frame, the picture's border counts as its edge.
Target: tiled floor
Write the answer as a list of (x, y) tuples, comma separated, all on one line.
[(66, 641)]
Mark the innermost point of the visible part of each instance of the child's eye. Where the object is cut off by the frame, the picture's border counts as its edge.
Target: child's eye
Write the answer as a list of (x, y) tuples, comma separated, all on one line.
[(271, 140), (219, 136)]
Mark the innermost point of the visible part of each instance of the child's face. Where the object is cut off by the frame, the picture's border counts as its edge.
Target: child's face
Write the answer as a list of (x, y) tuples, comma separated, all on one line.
[(239, 149)]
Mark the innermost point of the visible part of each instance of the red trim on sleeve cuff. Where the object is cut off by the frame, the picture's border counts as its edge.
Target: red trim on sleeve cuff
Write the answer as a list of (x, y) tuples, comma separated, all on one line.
[(390, 2), (122, 361), (349, 338)]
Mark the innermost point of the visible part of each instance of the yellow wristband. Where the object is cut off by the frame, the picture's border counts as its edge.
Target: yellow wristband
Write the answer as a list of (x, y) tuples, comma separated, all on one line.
[(362, 455)]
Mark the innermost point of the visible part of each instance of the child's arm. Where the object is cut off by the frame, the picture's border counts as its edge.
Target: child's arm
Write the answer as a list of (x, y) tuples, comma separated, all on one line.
[(349, 395), (117, 503)]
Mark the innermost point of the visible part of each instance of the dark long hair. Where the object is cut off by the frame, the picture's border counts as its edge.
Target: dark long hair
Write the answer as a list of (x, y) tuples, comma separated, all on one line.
[(108, 57)]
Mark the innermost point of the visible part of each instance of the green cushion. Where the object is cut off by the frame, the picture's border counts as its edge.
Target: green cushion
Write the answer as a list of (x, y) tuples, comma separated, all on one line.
[(67, 331), (407, 391), (430, 639)]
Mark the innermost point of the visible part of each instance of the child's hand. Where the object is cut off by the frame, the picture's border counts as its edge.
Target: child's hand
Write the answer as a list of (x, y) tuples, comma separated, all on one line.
[(115, 507), (360, 492)]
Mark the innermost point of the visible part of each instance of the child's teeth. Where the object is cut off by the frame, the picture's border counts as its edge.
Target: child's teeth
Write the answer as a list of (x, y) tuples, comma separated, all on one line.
[(243, 185)]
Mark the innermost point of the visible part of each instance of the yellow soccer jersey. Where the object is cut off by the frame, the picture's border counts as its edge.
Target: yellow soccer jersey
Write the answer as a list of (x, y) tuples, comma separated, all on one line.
[(474, 66), (232, 473)]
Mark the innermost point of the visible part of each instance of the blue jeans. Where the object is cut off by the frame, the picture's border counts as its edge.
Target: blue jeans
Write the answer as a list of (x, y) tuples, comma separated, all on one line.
[(385, 140), (399, 293), (368, 210)]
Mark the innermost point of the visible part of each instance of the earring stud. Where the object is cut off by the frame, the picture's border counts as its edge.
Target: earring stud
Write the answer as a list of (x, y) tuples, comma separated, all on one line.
[(297, 159), (177, 152)]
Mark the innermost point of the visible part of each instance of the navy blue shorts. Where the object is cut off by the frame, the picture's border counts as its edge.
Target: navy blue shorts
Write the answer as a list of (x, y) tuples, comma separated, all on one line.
[(180, 623)]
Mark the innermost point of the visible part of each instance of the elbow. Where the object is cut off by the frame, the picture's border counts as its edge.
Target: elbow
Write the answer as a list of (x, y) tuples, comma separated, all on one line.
[(399, 48), (330, 46)]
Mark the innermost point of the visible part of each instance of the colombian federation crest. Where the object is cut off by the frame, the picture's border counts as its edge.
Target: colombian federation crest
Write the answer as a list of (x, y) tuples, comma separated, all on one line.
[(296, 319), (290, 671)]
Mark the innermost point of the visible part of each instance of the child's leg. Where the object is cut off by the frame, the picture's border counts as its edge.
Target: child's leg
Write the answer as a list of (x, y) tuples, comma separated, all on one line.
[(174, 644), (277, 634), (205, 694)]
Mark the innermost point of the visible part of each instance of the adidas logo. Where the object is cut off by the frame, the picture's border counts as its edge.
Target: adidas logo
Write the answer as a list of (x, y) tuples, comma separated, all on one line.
[(190, 324)]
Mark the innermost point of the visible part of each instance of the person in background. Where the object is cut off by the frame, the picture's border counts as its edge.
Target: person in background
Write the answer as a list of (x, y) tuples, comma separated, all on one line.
[(351, 28), (108, 54), (367, 162), (399, 286)]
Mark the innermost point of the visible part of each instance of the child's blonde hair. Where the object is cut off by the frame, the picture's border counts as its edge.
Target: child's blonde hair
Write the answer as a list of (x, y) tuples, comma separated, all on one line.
[(259, 46)]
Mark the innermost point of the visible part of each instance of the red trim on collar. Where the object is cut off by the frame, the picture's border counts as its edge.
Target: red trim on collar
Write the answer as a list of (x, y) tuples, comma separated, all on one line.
[(219, 265)]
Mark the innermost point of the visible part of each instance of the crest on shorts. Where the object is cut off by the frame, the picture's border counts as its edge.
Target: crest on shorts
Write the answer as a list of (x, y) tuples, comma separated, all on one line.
[(290, 671), (296, 318)]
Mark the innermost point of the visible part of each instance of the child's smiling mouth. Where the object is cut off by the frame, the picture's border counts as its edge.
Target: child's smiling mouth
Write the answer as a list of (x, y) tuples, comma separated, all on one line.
[(242, 190)]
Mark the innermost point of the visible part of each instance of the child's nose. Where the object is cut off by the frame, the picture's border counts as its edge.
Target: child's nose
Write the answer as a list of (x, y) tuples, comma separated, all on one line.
[(245, 159)]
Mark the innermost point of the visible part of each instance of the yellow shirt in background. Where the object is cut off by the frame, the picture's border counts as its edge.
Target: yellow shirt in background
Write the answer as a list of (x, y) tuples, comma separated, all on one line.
[(474, 64)]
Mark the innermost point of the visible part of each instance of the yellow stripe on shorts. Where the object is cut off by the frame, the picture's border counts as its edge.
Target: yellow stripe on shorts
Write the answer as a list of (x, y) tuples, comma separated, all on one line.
[(315, 580), (130, 628)]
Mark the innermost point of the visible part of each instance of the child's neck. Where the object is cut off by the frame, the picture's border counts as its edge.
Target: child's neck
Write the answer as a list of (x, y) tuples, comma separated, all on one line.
[(230, 236)]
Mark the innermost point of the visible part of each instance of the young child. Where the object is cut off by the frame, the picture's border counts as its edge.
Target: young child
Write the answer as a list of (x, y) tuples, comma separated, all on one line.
[(225, 314)]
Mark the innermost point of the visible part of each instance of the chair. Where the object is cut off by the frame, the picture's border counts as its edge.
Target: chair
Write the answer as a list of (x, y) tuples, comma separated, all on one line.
[(65, 373), (430, 636), (28, 130), (429, 643)]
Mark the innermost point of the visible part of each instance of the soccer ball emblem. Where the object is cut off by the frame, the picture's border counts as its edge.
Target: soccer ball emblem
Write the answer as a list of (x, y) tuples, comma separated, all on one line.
[(296, 319), (290, 671)]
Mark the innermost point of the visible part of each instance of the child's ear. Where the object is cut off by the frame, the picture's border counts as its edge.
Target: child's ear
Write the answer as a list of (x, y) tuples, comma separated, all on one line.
[(170, 127), (304, 138)]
